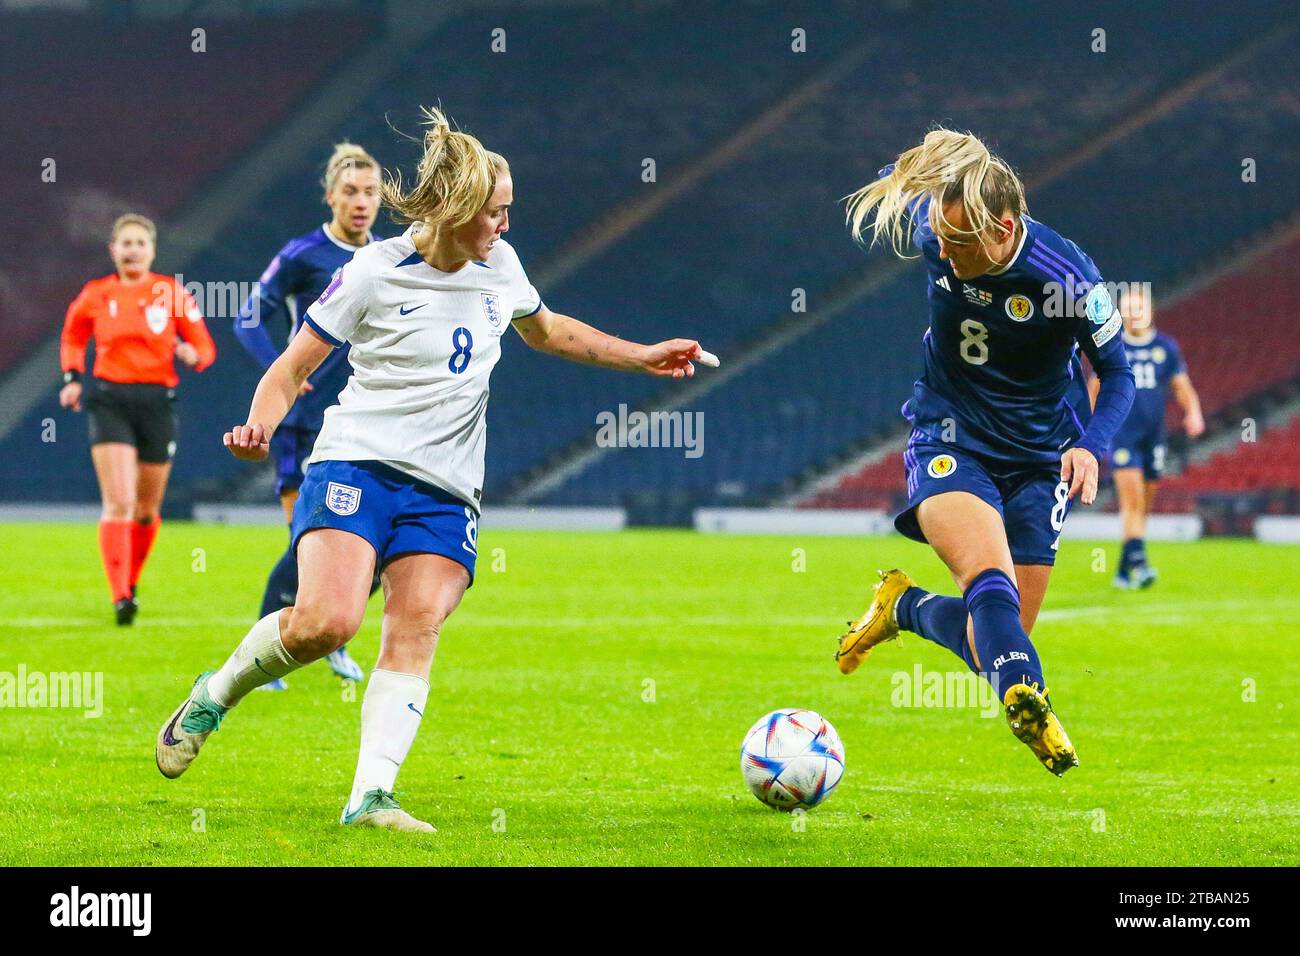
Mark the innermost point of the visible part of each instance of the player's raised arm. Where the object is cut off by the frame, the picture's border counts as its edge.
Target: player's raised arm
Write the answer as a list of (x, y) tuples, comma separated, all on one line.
[(567, 337), (276, 393)]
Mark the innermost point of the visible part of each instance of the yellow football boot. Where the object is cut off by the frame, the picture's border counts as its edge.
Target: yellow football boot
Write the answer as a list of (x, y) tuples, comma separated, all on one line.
[(1031, 719), (877, 624)]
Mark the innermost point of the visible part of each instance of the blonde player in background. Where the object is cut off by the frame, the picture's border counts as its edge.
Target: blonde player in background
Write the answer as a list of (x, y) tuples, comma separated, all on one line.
[(395, 477), (297, 275)]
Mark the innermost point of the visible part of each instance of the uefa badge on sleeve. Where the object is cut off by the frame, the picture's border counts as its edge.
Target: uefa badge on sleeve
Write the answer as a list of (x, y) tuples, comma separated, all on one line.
[(491, 309), (342, 499), (335, 281), (1098, 305)]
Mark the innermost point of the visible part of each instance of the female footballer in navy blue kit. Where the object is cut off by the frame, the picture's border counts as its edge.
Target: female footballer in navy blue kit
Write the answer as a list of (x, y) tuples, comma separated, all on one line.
[(1137, 455), (1003, 438), (296, 276)]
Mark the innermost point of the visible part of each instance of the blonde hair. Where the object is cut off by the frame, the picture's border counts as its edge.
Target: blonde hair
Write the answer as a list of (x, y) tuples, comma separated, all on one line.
[(947, 167), (346, 156), (134, 219), (455, 177)]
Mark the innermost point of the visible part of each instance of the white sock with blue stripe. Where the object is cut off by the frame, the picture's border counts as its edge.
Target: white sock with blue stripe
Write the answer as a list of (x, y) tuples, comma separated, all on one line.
[(259, 659), (390, 718)]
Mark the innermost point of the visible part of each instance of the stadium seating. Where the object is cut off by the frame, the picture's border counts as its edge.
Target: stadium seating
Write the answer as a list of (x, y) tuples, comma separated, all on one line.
[(1269, 463), (720, 260), (1227, 368), (154, 158), (153, 155), (861, 356)]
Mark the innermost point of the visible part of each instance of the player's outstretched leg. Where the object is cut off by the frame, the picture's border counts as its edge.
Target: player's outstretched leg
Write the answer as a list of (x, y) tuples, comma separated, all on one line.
[(876, 625), (259, 658), (281, 592)]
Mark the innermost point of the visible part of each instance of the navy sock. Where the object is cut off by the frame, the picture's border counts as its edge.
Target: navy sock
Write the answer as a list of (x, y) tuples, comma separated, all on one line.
[(936, 618), (1133, 556), (1004, 653), (282, 585)]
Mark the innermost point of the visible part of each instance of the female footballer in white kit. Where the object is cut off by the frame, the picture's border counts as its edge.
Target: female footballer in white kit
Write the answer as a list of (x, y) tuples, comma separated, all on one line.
[(396, 475)]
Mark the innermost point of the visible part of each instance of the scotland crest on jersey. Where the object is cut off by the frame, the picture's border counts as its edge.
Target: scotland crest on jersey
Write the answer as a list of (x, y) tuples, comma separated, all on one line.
[(342, 499), (491, 309)]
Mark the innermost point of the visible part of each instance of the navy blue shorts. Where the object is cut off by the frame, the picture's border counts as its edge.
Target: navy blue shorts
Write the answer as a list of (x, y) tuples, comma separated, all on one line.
[(291, 448), (1033, 501), (396, 513), (1139, 451)]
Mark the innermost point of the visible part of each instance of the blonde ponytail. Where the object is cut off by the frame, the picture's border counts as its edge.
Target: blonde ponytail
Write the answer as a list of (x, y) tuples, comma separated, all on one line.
[(455, 177), (346, 156), (948, 167)]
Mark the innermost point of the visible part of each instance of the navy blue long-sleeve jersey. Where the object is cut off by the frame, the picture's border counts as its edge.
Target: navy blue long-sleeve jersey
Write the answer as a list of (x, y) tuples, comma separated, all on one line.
[(1001, 353), (296, 277), (1156, 360)]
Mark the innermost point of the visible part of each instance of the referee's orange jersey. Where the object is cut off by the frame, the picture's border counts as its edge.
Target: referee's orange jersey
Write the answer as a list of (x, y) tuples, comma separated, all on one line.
[(135, 328)]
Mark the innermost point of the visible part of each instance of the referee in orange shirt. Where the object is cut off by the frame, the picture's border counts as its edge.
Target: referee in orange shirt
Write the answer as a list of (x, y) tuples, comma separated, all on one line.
[(136, 318)]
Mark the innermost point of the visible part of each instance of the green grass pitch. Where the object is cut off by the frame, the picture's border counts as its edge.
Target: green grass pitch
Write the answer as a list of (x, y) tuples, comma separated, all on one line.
[(589, 698)]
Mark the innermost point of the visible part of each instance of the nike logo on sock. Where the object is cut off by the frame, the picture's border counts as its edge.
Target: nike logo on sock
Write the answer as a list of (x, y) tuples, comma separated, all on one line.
[(412, 706), (258, 663), (412, 309)]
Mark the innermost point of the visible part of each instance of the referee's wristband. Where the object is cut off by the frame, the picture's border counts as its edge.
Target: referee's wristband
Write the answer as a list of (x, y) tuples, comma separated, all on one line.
[(70, 376)]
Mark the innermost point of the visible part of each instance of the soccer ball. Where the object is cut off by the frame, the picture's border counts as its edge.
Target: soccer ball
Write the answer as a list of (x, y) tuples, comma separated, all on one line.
[(792, 758)]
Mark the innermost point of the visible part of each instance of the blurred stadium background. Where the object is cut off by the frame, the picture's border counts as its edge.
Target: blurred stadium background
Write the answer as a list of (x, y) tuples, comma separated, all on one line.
[(1139, 153)]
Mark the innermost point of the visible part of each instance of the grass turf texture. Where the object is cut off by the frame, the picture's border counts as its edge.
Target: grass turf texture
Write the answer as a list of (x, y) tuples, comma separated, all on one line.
[(545, 742)]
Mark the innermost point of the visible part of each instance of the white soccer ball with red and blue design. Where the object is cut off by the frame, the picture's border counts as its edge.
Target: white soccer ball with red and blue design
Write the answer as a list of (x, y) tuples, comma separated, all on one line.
[(792, 758)]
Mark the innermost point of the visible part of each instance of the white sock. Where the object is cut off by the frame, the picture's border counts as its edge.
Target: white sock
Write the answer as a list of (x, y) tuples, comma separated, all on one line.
[(259, 659), (390, 717)]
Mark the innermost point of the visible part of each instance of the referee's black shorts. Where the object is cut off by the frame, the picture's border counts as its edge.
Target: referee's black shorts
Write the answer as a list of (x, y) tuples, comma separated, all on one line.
[(142, 414)]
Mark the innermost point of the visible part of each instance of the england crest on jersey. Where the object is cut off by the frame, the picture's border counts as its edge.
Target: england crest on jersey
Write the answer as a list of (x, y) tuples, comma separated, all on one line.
[(491, 309), (342, 499)]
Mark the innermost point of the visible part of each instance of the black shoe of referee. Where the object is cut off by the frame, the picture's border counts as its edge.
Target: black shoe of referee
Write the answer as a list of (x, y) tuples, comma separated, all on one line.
[(125, 609)]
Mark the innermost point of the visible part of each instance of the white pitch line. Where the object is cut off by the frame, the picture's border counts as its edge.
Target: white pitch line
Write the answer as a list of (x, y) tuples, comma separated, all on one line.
[(1173, 611)]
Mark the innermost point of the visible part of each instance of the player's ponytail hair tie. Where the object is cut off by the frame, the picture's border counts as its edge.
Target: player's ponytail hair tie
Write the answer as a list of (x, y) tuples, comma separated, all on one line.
[(455, 177), (947, 167)]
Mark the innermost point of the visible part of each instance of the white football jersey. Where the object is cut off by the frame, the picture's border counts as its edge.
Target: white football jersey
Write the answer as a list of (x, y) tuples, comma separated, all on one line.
[(424, 343)]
